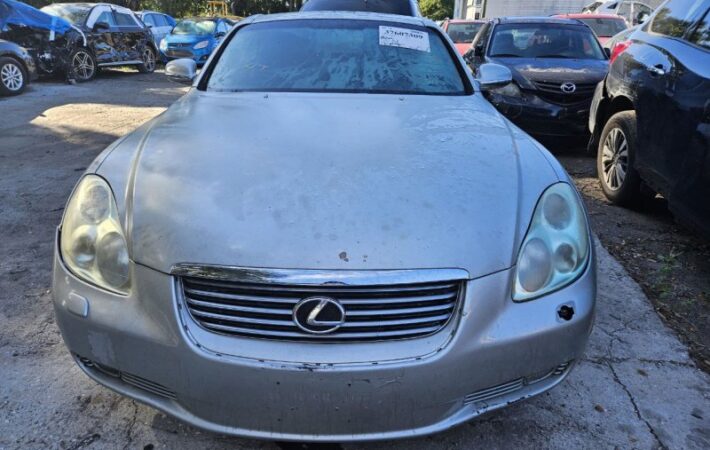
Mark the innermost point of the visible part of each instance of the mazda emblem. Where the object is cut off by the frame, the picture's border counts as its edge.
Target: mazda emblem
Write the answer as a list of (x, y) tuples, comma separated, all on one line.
[(318, 315), (568, 87)]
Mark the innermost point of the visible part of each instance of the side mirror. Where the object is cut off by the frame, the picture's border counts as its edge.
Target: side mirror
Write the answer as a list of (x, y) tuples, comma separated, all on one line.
[(220, 35), (181, 70), (101, 26), (149, 25), (492, 76), (641, 18)]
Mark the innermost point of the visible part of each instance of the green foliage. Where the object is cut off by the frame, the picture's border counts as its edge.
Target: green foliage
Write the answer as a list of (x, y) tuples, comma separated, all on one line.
[(437, 9)]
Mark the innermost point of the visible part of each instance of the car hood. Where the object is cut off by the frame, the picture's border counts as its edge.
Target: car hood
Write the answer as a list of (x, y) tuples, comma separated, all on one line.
[(527, 70), (327, 181), (462, 47), (187, 38)]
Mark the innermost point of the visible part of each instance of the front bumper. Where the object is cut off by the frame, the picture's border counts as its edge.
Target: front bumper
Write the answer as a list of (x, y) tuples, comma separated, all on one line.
[(497, 352), (541, 118), (200, 56)]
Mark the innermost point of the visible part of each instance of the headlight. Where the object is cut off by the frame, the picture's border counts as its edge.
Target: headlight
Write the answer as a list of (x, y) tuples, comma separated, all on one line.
[(93, 245), (509, 90), (202, 44), (555, 250), (163, 45)]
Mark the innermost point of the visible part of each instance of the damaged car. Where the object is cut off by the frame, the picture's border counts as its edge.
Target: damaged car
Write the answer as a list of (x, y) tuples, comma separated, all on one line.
[(556, 64), (331, 237), (114, 36), (50, 41)]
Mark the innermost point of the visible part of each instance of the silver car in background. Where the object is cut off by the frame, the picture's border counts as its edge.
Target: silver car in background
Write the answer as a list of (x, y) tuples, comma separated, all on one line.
[(332, 236)]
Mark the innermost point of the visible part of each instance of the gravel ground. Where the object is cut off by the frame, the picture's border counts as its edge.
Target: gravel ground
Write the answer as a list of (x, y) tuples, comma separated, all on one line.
[(637, 387)]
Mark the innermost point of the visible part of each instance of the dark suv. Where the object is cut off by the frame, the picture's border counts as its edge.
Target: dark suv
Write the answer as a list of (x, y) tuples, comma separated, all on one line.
[(113, 36), (650, 118)]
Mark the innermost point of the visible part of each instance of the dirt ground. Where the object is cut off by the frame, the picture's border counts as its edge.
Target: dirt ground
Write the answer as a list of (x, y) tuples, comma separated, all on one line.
[(635, 388), (671, 264)]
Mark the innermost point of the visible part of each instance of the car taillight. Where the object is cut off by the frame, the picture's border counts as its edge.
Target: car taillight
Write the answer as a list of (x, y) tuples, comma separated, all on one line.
[(619, 48)]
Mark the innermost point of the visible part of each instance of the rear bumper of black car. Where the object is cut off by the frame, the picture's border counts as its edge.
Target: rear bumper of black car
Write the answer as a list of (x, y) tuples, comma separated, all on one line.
[(542, 118)]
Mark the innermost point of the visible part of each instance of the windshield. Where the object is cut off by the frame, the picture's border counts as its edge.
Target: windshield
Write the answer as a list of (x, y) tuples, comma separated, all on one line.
[(463, 33), (337, 56), (545, 40), (75, 14), (605, 27), (190, 26)]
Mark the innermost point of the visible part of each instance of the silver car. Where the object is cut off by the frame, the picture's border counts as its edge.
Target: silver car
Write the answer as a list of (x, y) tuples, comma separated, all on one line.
[(332, 236)]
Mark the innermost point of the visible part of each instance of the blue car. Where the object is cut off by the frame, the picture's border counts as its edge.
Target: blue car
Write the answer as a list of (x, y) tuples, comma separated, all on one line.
[(195, 38)]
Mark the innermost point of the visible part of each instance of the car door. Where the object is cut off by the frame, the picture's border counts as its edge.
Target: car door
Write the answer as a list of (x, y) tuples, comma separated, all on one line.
[(163, 26), (103, 25), (149, 21), (131, 36), (672, 96)]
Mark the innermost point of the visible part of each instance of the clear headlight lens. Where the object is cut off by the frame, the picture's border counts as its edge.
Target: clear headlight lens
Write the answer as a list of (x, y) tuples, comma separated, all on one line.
[(555, 250), (509, 90), (163, 44), (93, 245), (201, 44)]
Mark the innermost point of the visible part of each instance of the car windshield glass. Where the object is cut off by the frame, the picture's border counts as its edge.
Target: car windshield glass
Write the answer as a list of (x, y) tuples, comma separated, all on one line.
[(75, 14), (545, 40), (605, 27), (337, 56), (401, 7), (463, 33), (200, 27)]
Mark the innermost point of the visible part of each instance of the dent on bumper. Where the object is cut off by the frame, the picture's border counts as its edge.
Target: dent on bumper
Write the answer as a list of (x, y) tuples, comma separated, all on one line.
[(499, 352), (539, 117)]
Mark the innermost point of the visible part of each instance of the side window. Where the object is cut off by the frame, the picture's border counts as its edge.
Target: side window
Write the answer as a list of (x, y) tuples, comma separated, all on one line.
[(148, 19), (160, 20), (675, 17), (106, 17), (125, 20), (701, 35)]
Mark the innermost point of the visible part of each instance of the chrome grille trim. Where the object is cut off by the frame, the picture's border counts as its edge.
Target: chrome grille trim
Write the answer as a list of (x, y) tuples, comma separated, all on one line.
[(396, 305)]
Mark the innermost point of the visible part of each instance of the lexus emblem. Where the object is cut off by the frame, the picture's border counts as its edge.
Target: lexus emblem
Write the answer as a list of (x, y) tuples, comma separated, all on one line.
[(568, 87), (318, 315)]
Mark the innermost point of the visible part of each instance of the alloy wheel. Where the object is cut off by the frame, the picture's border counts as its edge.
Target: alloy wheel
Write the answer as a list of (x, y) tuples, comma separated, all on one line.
[(148, 60), (11, 76), (615, 159), (83, 65)]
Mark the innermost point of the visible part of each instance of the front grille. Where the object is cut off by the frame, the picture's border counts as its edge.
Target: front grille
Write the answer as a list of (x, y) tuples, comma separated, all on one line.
[(551, 92), (179, 45), (375, 312), (178, 53)]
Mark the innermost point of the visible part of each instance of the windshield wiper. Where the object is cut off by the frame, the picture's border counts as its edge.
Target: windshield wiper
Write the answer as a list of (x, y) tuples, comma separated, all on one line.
[(505, 55)]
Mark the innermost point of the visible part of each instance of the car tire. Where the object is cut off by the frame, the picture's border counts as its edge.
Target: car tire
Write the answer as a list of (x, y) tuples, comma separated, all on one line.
[(82, 65), (13, 76), (616, 155), (149, 61)]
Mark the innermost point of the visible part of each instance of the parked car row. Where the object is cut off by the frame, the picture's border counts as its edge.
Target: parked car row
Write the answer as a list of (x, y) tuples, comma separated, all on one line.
[(78, 39)]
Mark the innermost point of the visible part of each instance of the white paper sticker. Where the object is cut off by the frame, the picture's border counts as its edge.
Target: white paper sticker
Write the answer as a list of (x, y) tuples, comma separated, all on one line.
[(405, 38)]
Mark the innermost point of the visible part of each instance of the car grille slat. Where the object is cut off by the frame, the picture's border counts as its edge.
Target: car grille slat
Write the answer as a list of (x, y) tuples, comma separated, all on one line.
[(265, 310), (551, 92)]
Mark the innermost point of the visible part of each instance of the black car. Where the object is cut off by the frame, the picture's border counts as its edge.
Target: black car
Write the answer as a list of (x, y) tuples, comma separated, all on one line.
[(114, 36), (650, 119), (401, 7), (556, 64), (17, 68)]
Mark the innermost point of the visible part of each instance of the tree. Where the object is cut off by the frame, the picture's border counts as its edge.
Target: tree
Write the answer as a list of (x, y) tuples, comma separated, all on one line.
[(437, 9)]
